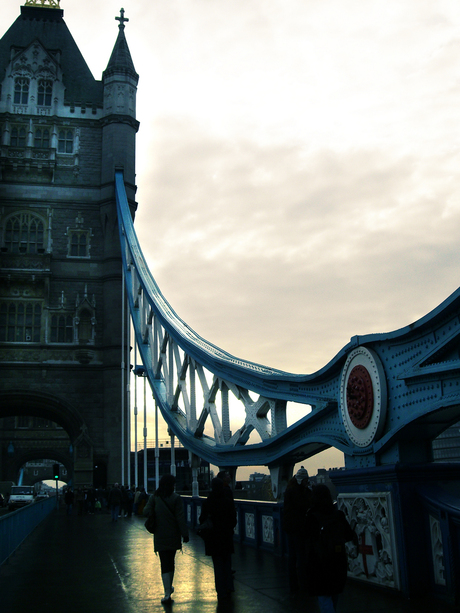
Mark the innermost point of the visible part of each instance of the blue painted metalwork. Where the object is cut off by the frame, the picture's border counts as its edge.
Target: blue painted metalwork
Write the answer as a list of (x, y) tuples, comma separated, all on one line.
[(380, 400), (16, 526)]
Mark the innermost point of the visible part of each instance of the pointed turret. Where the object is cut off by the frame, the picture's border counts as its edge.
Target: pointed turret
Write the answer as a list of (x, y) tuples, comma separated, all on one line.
[(119, 123), (120, 61), (120, 78)]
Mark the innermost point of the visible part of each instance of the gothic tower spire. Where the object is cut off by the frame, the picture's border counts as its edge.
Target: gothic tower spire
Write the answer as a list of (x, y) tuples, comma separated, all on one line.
[(120, 81), (120, 61)]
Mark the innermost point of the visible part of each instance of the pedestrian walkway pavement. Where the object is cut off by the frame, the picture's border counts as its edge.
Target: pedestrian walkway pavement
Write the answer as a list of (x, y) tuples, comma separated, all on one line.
[(87, 564)]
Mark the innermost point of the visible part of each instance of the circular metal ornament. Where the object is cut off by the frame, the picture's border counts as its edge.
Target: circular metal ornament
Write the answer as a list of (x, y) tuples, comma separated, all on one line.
[(360, 397), (363, 396)]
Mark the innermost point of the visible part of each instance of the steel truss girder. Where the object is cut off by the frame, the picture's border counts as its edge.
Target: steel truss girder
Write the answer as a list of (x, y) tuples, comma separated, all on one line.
[(192, 380)]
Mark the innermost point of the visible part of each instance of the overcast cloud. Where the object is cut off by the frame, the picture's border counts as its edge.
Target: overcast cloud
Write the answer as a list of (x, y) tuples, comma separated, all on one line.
[(298, 163)]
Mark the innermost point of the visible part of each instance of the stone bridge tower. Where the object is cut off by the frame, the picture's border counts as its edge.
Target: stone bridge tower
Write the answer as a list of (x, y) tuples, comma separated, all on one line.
[(63, 134)]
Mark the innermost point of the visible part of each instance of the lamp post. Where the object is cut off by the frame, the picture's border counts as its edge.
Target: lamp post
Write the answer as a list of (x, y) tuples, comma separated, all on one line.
[(135, 418), (140, 371), (56, 478), (157, 449)]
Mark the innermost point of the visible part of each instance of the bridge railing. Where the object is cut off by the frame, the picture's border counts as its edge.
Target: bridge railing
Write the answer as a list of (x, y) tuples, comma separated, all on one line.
[(258, 523), (16, 526), (259, 526)]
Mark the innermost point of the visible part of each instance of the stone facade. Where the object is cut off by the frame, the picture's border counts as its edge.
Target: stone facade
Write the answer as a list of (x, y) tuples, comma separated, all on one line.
[(62, 135)]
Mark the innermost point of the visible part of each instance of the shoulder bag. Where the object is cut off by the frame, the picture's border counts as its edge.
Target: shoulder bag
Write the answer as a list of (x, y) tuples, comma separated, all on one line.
[(150, 521)]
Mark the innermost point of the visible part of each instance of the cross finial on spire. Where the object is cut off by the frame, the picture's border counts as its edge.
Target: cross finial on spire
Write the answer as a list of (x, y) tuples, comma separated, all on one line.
[(122, 18)]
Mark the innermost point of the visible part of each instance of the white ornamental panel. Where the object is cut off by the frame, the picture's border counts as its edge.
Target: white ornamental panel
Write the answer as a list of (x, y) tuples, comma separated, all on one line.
[(250, 525), (437, 551), (375, 558), (268, 533)]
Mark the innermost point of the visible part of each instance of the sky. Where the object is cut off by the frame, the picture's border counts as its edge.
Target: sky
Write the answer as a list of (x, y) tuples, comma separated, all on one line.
[(297, 164)]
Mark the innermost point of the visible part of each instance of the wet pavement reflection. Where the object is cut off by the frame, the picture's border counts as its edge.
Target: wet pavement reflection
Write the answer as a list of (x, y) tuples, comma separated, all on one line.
[(90, 565)]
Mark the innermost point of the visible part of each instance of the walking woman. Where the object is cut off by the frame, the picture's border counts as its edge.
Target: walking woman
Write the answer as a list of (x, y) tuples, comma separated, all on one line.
[(327, 532), (170, 529), (297, 501), (220, 508)]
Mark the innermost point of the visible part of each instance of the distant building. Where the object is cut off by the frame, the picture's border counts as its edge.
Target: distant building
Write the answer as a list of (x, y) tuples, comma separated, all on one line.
[(322, 476), (259, 477), (259, 487), (182, 467)]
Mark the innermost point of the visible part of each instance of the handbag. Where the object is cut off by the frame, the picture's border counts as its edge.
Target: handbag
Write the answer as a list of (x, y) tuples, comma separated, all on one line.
[(150, 521), (205, 529)]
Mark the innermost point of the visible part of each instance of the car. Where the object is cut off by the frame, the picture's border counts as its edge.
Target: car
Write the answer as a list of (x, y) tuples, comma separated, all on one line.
[(42, 496)]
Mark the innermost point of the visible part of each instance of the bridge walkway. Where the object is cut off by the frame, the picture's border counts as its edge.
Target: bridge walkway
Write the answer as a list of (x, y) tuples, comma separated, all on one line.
[(87, 564)]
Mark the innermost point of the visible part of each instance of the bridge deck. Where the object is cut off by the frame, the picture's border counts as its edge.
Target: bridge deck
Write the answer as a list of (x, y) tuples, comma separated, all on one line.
[(89, 564)]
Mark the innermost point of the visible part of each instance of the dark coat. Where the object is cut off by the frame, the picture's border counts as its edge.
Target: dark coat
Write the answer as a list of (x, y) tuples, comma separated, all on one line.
[(219, 506), (170, 524), (297, 501), (114, 497), (326, 568)]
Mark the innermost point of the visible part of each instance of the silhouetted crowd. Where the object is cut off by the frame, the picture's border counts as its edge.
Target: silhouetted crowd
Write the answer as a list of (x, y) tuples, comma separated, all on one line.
[(90, 500), (317, 531)]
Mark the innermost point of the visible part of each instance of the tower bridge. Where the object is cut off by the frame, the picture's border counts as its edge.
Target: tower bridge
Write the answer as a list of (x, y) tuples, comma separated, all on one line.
[(381, 400), (75, 281)]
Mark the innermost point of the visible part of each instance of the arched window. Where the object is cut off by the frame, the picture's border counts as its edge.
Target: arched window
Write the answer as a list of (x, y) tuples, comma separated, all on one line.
[(42, 138), (65, 141), (18, 137), (24, 233), (21, 90), (85, 332), (45, 92), (20, 322), (61, 329), (78, 245)]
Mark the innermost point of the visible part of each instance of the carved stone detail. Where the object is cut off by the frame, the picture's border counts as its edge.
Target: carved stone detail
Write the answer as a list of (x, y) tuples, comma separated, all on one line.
[(437, 551), (375, 559), (250, 525), (268, 533)]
